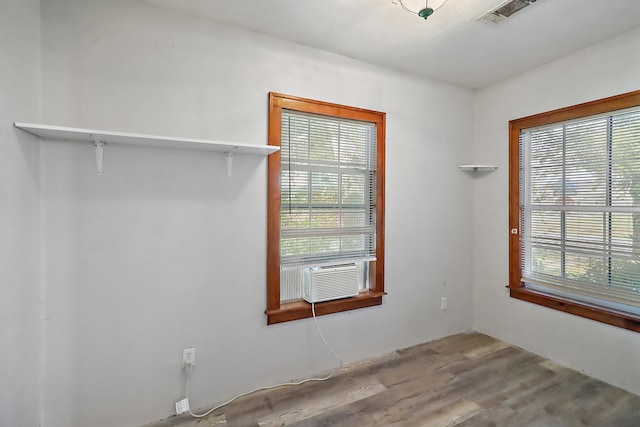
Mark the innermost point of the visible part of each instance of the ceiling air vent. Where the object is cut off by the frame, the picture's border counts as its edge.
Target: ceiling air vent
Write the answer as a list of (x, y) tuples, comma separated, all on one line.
[(504, 11)]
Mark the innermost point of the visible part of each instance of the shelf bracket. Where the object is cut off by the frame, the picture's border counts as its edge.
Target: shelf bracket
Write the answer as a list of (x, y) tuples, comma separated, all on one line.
[(229, 155), (99, 153)]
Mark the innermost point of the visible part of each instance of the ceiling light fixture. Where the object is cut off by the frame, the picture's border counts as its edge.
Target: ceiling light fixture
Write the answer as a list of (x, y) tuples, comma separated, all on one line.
[(422, 8)]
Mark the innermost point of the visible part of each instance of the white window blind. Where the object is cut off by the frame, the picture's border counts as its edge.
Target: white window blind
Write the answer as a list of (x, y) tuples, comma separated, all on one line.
[(328, 193), (328, 189), (580, 209)]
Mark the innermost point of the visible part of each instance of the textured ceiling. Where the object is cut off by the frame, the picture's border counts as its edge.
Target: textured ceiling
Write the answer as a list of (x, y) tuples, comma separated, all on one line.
[(450, 46)]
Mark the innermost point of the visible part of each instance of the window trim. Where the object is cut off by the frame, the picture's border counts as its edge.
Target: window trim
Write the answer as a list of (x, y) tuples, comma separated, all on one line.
[(283, 312), (516, 285)]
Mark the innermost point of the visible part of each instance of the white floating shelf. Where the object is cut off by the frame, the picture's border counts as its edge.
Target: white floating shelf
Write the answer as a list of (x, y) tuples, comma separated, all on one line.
[(100, 137), (477, 168)]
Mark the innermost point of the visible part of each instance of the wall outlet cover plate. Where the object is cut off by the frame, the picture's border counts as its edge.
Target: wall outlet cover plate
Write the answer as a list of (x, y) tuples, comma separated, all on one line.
[(189, 357), (182, 406)]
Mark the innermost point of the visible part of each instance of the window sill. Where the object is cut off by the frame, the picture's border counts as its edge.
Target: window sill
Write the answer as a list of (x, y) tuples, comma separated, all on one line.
[(610, 317), (302, 309)]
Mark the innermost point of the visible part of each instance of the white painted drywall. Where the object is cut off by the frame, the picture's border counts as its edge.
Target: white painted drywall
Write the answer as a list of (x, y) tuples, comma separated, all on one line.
[(603, 351), (163, 252), (20, 291)]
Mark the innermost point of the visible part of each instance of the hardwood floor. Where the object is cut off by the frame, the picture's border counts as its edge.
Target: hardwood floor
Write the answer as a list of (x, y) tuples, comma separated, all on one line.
[(464, 380)]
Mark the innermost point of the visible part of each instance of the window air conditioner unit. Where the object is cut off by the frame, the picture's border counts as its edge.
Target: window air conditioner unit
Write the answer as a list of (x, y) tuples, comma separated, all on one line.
[(329, 283)]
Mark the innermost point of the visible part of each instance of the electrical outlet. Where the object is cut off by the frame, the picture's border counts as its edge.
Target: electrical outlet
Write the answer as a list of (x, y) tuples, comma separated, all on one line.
[(189, 357), (443, 303), (182, 406)]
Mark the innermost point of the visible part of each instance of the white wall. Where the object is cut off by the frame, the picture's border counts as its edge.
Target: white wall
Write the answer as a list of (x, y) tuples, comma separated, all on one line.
[(162, 251), (606, 352), (20, 292)]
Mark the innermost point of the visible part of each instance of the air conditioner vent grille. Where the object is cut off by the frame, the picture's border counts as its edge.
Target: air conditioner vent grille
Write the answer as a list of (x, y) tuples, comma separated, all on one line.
[(504, 11), (329, 283)]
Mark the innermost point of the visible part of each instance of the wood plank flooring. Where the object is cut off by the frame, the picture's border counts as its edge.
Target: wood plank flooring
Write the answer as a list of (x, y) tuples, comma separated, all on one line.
[(466, 380)]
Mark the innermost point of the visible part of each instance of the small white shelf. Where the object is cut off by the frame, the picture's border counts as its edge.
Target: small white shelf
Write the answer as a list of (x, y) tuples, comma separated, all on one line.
[(477, 168), (100, 137)]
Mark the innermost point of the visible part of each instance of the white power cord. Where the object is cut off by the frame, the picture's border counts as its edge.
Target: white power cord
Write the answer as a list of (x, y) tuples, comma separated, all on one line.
[(313, 311)]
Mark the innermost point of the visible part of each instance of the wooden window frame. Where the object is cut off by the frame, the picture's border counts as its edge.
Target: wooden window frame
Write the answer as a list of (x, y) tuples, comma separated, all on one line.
[(516, 285), (283, 312)]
